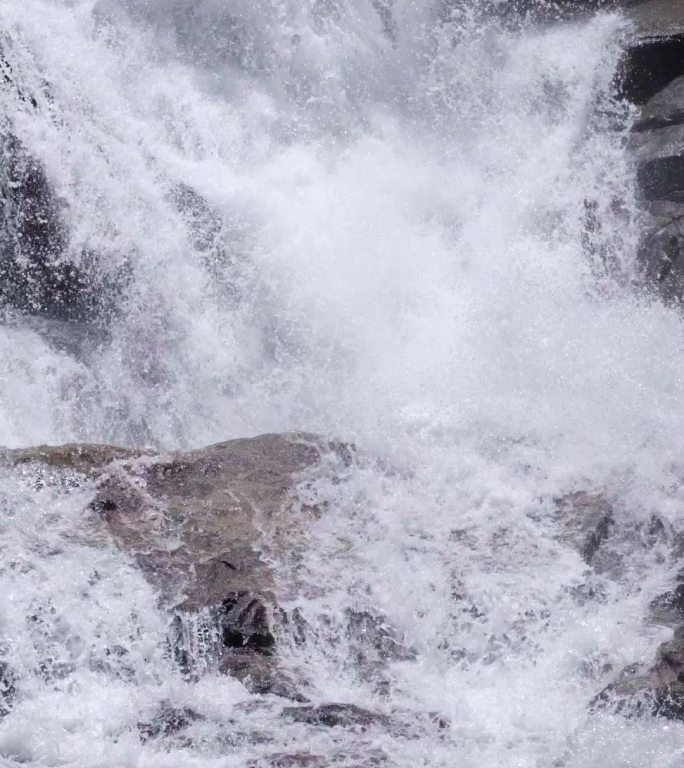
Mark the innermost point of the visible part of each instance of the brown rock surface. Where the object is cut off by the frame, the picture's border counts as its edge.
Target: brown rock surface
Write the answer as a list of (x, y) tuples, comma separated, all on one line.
[(193, 522)]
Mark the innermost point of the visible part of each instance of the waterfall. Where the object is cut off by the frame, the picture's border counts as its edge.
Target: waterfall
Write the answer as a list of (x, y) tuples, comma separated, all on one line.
[(410, 227)]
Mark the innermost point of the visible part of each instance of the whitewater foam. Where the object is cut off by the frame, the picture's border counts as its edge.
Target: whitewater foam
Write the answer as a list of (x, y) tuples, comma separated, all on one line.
[(313, 219)]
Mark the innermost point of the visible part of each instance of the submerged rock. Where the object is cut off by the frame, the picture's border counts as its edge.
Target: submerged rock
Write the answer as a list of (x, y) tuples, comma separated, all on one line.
[(41, 274), (655, 19), (585, 520), (652, 76), (541, 11), (167, 722), (83, 458), (295, 760), (193, 520), (657, 691), (336, 715)]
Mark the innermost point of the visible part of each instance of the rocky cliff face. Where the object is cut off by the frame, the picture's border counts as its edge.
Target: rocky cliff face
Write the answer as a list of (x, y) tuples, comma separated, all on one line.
[(205, 528), (653, 79)]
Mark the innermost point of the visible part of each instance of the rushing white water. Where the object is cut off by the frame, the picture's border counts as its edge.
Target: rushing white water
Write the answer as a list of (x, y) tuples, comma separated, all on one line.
[(367, 220)]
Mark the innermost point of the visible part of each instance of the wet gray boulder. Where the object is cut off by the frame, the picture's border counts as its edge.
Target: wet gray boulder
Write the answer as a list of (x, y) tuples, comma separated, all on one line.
[(656, 690), (655, 19), (168, 721), (544, 11), (7, 688), (585, 520), (655, 687), (653, 55), (336, 715), (38, 275), (195, 523), (663, 110), (207, 528)]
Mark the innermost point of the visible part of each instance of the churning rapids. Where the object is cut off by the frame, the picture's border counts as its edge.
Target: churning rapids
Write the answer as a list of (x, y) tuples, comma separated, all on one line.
[(366, 220)]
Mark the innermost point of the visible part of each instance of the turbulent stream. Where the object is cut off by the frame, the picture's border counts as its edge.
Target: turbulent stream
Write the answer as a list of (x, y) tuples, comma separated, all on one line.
[(406, 225)]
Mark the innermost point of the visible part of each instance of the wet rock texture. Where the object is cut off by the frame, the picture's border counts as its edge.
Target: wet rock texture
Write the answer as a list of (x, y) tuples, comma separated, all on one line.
[(38, 275), (205, 527), (42, 275), (193, 523), (335, 715), (656, 689), (653, 78), (590, 523), (586, 521)]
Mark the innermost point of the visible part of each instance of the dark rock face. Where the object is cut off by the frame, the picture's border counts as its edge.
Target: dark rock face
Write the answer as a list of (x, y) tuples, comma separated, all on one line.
[(656, 688), (656, 19), (7, 688), (661, 178), (39, 275), (658, 691), (650, 65), (589, 523), (374, 642), (668, 608), (664, 109), (535, 11), (660, 251), (244, 624), (218, 240), (36, 275), (652, 76)]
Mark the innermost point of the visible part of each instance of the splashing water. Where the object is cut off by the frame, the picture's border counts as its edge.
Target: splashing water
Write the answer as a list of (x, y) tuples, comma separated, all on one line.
[(367, 220)]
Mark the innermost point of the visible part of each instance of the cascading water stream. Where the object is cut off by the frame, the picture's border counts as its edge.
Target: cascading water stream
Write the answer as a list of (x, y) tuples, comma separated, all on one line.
[(374, 221)]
